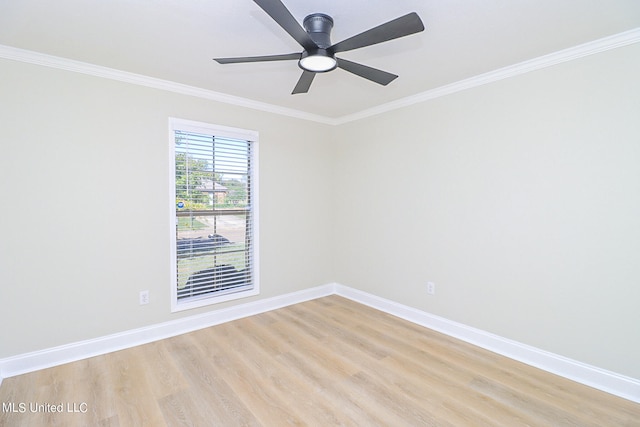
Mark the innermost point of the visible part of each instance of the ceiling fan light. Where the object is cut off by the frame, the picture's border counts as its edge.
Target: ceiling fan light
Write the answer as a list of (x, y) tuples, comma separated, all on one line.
[(318, 63)]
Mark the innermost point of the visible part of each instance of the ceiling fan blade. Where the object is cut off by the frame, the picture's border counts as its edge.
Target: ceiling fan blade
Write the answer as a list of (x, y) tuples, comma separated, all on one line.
[(285, 19), (258, 58), (304, 83), (373, 74), (399, 27)]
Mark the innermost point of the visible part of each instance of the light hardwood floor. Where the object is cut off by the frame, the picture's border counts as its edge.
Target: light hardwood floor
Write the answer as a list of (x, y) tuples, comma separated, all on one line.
[(324, 362)]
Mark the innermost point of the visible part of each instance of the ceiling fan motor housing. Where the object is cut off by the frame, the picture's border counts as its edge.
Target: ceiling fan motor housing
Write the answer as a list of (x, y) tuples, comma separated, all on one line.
[(319, 26)]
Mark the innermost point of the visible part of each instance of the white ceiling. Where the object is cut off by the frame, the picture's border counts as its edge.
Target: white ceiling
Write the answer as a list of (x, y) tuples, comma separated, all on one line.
[(175, 40)]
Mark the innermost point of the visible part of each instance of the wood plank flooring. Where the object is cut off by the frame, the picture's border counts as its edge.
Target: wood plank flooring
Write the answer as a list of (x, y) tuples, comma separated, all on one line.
[(324, 362)]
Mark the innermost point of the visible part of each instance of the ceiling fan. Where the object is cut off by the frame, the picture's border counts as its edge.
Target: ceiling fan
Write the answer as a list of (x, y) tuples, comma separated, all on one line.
[(318, 55)]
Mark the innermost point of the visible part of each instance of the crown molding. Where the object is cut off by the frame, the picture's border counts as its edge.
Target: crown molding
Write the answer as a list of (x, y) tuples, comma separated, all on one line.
[(601, 45), (37, 58)]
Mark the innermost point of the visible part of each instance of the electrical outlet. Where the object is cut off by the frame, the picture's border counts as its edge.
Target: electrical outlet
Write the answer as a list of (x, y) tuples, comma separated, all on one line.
[(144, 297), (431, 288)]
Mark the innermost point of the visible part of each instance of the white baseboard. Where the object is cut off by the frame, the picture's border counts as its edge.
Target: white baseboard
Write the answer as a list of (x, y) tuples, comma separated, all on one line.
[(610, 382), (59, 355)]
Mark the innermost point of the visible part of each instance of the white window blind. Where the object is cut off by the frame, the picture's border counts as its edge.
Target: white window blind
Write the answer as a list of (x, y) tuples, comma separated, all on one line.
[(214, 215)]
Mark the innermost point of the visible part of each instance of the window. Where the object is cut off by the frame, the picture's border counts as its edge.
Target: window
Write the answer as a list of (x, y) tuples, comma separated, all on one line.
[(214, 221)]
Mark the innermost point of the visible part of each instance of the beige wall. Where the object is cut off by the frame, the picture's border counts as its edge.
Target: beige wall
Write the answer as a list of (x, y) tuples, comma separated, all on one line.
[(519, 199), (84, 179)]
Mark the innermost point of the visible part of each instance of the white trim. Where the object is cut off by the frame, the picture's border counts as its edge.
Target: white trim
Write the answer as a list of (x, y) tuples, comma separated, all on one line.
[(610, 382), (55, 356), (37, 58), (206, 128), (252, 136), (601, 45), (607, 43)]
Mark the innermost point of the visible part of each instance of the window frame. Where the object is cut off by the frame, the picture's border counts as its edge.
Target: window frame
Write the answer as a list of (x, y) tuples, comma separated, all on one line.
[(176, 124)]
